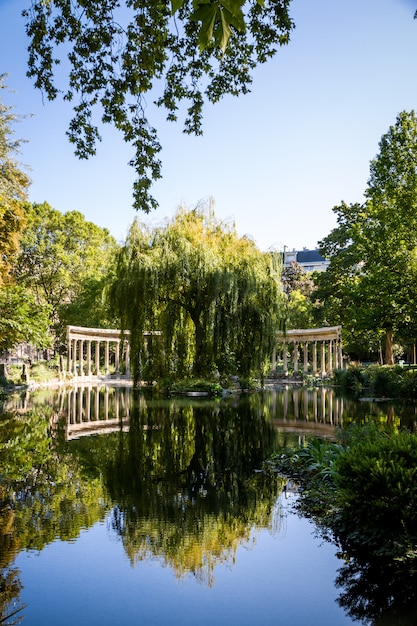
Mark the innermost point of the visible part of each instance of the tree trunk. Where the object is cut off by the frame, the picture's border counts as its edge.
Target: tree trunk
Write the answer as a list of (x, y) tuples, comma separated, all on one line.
[(201, 358), (389, 357)]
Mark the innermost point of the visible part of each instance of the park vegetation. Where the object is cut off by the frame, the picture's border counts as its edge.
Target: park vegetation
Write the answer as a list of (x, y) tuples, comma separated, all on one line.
[(361, 490), (213, 295)]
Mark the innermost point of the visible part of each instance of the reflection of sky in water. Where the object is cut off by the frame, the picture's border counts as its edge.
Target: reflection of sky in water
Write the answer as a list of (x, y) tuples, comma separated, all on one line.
[(281, 578)]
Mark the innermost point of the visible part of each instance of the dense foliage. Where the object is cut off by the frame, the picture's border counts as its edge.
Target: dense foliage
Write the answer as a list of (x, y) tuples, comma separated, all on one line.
[(118, 55), (14, 183), (65, 261), (213, 295), (397, 381), (362, 490), (22, 319), (373, 250)]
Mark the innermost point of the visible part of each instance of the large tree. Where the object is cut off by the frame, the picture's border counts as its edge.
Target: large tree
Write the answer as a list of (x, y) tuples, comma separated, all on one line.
[(22, 319), (214, 295), (64, 261), (370, 283), (14, 183), (119, 53)]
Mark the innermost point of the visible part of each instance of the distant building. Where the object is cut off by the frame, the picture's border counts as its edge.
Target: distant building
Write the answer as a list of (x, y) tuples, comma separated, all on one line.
[(310, 260)]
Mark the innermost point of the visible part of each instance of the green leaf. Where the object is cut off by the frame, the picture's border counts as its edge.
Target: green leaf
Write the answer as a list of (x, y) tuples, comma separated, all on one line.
[(176, 5), (207, 14), (223, 32)]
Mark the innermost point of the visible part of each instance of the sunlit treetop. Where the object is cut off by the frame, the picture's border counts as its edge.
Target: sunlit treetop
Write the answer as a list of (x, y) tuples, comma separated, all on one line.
[(114, 53)]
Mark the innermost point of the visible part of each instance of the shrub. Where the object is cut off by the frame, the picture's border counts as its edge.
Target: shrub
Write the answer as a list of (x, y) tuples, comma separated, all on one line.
[(376, 486), (352, 380)]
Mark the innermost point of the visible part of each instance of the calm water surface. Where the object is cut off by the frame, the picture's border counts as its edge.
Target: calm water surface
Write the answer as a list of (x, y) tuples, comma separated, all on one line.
[(117, 509)]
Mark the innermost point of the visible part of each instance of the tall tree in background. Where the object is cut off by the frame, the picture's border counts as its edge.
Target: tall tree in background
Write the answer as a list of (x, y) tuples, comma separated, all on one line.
[(215, 297), (21, 317), (298, 287), (64, 260), (14, 183), (370, 282), (120, 53)]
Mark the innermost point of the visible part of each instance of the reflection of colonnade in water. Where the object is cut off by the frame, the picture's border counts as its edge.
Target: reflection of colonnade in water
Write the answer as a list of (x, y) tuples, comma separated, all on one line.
[(321, 348), (318, 405), (95, 409)]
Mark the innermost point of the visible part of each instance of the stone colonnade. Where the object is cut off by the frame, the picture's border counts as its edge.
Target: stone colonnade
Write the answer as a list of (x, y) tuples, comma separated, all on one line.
[(321, 350), (89, 350)]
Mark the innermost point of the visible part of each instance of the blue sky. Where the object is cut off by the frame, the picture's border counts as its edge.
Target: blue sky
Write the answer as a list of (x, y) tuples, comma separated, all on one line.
[(275, 161)]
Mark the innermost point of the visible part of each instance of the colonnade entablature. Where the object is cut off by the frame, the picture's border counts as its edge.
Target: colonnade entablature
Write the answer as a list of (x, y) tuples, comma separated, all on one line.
[(321, 348)]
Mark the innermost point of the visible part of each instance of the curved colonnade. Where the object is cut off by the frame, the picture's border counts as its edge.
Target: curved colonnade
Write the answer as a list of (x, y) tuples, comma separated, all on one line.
[(321, 350), (100, 352)]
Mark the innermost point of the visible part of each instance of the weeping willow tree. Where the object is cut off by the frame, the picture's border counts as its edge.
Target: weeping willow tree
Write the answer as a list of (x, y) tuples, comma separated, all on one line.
[(214, 297)]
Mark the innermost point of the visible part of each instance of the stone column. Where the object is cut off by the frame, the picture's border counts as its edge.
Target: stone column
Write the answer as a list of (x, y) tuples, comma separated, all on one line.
[(97, 358), (322, 359), (69, 354), (117, 357), (127, 358), (330, 349), (74, 357), (81, 359), (295, 357), (88, 357), (106, 357), (314, 358), (305, 357), (284, 356)]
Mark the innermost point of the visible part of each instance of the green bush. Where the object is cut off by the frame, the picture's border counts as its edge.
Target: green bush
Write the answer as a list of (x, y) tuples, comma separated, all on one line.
[(363, 489), (376, 486), (386, 380), (352, 380)]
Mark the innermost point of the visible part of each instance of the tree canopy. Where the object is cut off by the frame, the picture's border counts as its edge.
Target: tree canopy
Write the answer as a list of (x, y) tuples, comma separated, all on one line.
[(117, 53), (14, 183), (64, 261), (214, 296), (370, 282)]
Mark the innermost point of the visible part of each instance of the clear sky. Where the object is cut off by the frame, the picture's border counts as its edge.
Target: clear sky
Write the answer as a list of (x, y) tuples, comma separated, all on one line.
[(275, 161)]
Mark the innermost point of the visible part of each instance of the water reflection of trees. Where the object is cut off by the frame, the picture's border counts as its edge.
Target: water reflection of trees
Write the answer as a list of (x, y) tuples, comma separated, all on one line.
[(186, 487), (378, 593), (43, 497)]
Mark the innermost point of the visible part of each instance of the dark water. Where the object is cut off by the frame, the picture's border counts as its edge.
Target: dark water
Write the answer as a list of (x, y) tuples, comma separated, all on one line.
[(120, 509)]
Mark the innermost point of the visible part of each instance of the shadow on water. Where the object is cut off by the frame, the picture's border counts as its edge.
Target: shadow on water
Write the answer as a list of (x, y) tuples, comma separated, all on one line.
[(178, 481), (377, 593)]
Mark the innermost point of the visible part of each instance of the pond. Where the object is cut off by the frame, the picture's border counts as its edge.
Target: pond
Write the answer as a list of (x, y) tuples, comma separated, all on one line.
[(118, 508)]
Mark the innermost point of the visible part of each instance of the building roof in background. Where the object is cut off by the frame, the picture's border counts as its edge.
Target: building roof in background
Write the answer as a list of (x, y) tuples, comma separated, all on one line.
[(309, 256)]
